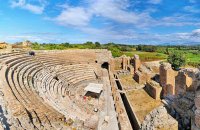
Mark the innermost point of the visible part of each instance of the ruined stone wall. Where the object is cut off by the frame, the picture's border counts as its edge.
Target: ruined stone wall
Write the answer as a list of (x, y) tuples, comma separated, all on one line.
[(153, 89), (118, 63), (139, 77), (142, 75), (196, 120), (131, 69), (136, 62), (168, 90), (112, 64), (167, 75), (167, 79), (122, 62), (3, 45), (125, 62), (183, 83), (186, 102), (119, 106)]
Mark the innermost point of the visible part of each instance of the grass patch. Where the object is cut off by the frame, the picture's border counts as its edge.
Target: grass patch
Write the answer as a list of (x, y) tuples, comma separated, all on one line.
[(147, 56), (192, 56)]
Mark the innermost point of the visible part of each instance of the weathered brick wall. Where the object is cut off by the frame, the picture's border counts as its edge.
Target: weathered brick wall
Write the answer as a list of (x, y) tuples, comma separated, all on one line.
[(167, 75), (136, 62), (112, 64), (131, 69), (183, 83), (118, 63), (153, 89), (119, 106), (167, 79), (3, 45), (139, 77), (122, 62), (168, 90)]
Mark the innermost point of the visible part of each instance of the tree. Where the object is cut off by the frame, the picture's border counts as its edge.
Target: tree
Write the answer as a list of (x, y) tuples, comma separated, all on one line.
[(97, 44), (66, 44), (89, 45), (167, 51), (177, 59), (139, 48), (125, 48)]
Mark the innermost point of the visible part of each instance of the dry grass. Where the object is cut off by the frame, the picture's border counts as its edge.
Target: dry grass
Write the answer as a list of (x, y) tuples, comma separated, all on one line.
[(128, 82), (139, 99), (142, 103)]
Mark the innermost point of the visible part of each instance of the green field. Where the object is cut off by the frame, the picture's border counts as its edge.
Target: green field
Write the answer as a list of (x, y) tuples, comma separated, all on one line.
[(192, 56), (147, 56)]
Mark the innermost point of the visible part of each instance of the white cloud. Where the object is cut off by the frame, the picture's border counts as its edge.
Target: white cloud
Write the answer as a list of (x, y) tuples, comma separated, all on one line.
[(117, 10), (23, 4), (181, 38), (111, 9), (31, 37), (191, 9), (177, 20), (108, 35), (155, 1), (75, 16), (196, 34)]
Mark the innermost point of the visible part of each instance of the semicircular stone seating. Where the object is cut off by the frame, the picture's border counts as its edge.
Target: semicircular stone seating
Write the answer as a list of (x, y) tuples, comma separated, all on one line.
[(47, 90)]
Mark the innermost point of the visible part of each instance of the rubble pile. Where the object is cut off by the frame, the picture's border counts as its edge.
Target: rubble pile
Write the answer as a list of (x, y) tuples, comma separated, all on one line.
[(159, 119)]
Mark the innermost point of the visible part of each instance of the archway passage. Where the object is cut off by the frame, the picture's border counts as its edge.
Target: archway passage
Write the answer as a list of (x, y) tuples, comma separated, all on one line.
[(105, 65)]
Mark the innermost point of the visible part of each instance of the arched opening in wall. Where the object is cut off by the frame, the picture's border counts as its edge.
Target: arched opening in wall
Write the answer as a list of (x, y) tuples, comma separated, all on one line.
[(105, 65)]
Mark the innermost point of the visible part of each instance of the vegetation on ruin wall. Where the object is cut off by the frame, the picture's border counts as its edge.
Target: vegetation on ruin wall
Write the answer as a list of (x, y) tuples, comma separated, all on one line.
[(146, 52)]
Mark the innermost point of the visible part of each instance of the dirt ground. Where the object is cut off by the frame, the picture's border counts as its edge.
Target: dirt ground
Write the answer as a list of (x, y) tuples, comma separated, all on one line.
[(139, 99), (142, 103), (128, 82)]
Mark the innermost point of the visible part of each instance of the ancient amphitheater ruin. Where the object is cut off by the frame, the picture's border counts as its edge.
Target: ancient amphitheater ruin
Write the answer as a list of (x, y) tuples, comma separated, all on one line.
[(89, 89)]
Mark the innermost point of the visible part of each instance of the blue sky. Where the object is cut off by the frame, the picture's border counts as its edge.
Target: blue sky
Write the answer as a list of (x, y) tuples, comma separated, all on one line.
[(119, 21)]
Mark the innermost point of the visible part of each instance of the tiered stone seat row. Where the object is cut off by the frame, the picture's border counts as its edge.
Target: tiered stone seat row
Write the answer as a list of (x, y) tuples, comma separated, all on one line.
[(16, 78), (42, 86)]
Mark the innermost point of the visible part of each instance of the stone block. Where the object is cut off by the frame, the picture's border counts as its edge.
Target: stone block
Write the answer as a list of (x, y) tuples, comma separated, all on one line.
[(154, 89)]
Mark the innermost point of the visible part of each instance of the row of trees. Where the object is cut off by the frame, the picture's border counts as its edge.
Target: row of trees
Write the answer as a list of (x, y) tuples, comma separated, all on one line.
[(175, 56), (147, 48), (116, 49), (165, 49)]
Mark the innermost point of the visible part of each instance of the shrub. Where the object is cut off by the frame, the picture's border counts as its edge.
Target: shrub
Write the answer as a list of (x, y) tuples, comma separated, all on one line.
[(177, 59)]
